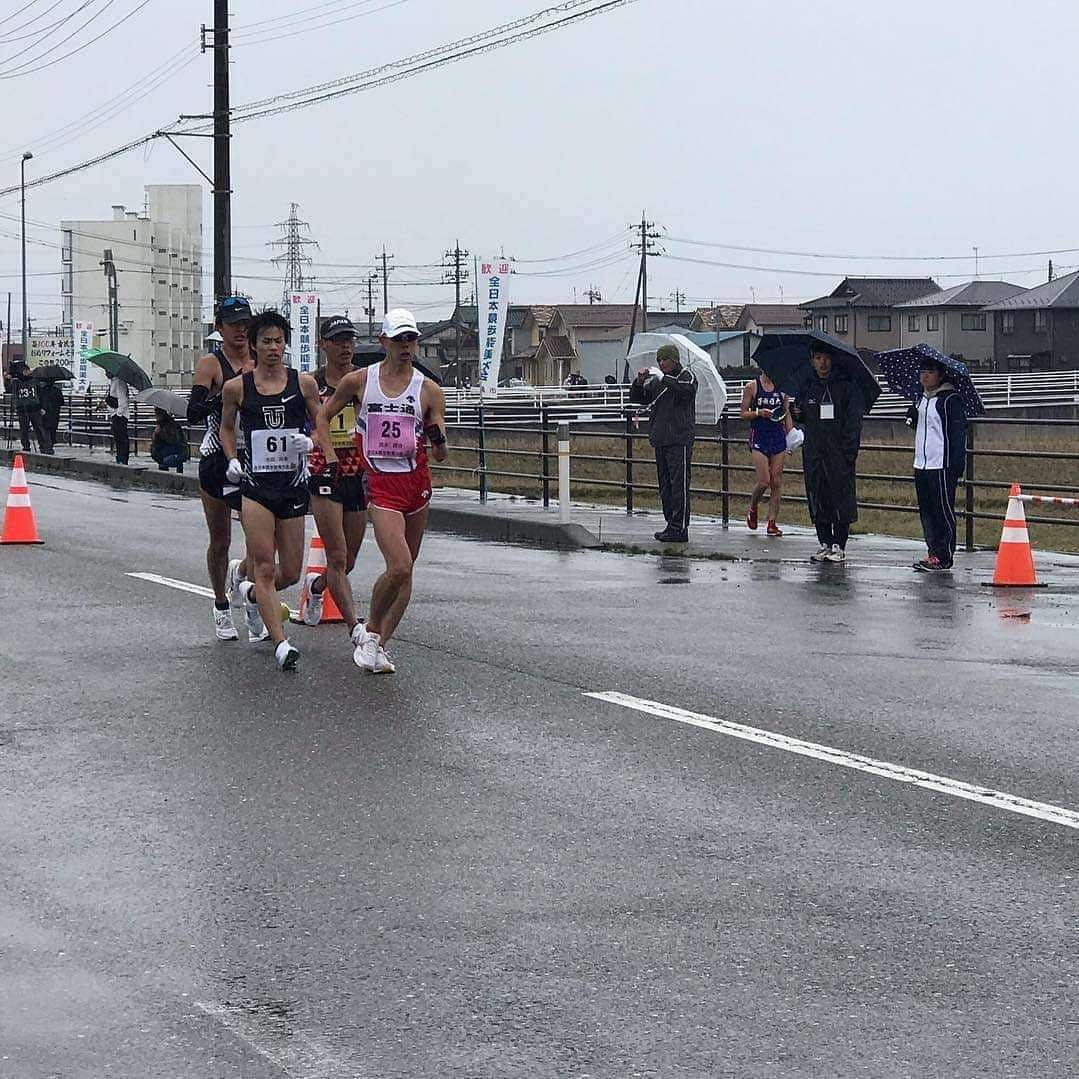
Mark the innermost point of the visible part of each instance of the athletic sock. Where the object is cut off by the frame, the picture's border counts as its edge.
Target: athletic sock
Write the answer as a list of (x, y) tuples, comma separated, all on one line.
[(223, 606)]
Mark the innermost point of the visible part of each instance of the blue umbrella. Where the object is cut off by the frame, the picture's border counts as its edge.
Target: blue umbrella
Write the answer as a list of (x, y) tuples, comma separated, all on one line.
[(900, 366), (783, 356)]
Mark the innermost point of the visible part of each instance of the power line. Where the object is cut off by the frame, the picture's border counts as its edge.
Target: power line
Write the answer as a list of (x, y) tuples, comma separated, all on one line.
[(307, 27), (16, 14), (617, 238), (74, 33), (17, 72), (43, 30)]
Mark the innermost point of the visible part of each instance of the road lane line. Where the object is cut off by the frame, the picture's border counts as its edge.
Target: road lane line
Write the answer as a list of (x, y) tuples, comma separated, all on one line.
[(899, 773), (169, 582), (275, 1039)]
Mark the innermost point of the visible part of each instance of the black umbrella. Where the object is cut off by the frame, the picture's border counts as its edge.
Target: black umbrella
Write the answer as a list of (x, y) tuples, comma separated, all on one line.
[(783, 356), (52, 372)]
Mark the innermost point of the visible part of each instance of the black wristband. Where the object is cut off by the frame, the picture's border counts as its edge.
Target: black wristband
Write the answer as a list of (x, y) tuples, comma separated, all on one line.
[(435, 435)]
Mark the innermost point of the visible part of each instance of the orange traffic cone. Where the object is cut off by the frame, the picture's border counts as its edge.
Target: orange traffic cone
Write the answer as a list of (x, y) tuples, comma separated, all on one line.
[(1015, 559), (316, 563), (19, 524)]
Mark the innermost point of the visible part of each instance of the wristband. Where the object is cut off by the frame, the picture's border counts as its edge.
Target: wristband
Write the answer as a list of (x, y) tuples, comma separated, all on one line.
[(434, 435)]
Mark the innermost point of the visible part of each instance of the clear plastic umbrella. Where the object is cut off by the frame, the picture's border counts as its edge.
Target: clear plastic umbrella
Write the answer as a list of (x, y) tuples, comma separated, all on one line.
[(711, 389)]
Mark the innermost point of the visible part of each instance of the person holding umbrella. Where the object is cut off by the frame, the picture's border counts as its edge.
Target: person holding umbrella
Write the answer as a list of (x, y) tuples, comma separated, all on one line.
[(831, 406), (669, 393), (28, 409)]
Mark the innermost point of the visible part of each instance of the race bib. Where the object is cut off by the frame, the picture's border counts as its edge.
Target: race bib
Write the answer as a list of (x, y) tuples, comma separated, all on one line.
[(275, 451), (391, 434), (342, 427)]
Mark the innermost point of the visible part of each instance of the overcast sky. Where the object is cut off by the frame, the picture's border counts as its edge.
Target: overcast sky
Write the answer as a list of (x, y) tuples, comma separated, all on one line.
[(835, 128)]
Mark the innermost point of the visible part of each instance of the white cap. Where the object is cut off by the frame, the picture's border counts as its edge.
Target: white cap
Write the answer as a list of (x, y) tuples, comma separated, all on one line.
[(795, 437), (399, 320)]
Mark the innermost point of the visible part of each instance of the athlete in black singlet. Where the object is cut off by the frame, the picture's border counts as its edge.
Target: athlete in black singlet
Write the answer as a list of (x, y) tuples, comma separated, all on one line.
[(219, 497), (273, 404)]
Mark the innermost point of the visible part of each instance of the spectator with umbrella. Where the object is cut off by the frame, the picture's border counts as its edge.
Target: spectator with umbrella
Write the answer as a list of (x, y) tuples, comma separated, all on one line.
[(28, 408), (943, 396), (168, 445), (832, 389)]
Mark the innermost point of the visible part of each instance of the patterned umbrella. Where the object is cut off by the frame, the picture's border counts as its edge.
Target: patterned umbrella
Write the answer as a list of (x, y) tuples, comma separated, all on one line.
[(900, 366)]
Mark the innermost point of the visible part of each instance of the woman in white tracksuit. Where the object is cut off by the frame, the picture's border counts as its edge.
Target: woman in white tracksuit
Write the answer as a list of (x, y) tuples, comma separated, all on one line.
[(940, 450)]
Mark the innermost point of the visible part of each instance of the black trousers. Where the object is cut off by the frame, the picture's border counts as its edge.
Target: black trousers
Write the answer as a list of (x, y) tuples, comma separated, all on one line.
[(935, 488), (120, 440), (36, 421), (829, 532), (673, 465)]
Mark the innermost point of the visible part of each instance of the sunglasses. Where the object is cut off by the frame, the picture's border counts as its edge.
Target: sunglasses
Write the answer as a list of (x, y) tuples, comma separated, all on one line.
[(233, 301), (406, 337)]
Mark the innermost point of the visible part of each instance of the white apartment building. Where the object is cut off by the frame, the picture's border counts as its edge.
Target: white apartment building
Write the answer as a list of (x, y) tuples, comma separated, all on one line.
[(158, 257)]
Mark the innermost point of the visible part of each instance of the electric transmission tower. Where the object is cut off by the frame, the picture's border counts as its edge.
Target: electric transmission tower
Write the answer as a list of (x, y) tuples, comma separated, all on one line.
[(294, 257)]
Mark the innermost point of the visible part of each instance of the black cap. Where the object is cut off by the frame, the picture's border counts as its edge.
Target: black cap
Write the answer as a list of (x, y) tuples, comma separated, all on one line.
[(335, 326), (234, 309)]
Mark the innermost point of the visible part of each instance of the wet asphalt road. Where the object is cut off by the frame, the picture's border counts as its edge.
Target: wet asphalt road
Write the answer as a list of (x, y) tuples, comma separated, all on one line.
[(472, 869)]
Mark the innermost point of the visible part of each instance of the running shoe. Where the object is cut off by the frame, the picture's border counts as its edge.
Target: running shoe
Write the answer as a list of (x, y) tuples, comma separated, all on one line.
[(932, 564), (365, 654), (233, 581), (286, 656), (358, 634), (774, 529), (821, 554), (751, 519), (223, 626), (256, 628), (312, 614), (383, 664), (836, 554)]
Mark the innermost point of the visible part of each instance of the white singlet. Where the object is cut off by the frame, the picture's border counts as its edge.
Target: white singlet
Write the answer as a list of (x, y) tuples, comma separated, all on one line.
[(391, 427)]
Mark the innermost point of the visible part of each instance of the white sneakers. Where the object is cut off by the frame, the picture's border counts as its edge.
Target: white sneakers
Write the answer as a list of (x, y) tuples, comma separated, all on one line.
[(223, 625), (286, 656), (312, 614), (824, 553), (256, 628), (233, 580), (369, 655)]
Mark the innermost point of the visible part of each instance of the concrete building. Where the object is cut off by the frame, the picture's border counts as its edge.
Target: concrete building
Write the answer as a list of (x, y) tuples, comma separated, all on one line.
[(954, 321), (862, 310), (158, 256)]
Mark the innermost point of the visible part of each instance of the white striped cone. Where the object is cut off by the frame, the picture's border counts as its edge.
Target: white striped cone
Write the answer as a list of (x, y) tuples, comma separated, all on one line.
[(1015, 559), (19, 523)]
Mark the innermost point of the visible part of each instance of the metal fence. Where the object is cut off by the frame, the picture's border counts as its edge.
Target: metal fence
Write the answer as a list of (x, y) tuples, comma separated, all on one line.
[(594, 423)]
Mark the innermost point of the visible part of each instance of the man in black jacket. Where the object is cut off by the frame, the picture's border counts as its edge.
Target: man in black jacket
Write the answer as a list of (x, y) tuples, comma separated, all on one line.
[(669, 392), (831, 409)]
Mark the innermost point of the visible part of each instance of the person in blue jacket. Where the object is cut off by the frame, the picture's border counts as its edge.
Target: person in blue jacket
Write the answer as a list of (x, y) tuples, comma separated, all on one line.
[(939, 418)]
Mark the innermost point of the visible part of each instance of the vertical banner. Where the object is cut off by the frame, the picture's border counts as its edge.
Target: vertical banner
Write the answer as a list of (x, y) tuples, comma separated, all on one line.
[(493, 292), (304, 331), (82, 339)]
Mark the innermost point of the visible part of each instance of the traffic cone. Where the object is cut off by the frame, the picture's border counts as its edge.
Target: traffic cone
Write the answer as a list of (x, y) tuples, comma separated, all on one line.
[(19, 524), (1015, 559), (316, 563)]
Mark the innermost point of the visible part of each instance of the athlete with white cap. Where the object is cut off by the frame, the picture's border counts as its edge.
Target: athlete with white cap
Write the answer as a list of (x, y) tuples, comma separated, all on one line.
[(400, 412)]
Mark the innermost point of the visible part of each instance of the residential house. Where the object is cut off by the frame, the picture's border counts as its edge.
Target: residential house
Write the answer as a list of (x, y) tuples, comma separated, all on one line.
[(734, 346), (439, 344), (1038, 330), (762, 318), (862, 310), (954, 321)]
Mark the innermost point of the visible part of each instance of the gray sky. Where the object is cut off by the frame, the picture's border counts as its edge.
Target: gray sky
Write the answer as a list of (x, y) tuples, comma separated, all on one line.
[(834, 127)]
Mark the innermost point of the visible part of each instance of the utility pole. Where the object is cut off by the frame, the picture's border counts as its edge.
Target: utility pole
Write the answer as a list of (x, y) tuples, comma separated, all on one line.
[(455, 275), (646, 246), (1050, 278), (294, 258), (386, 267), (114, 300), (594, 295), (679, 299), (369, 310), (222, 153), (25, 320)]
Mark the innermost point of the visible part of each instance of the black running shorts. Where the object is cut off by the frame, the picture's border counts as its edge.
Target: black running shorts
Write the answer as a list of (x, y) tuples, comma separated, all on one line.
[(284, 504), (348, 491), (213, 481)]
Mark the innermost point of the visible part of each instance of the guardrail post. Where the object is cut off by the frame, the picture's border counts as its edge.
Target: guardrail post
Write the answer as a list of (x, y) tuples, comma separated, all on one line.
[(563, 472), (629, 466), (724, 472), (969, 486), (546, 447), (482, 449), (88, 403)]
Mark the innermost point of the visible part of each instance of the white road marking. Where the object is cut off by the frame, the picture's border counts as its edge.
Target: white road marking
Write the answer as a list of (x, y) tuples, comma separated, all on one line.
[(275, 1039), (169, 582), (900, 774)]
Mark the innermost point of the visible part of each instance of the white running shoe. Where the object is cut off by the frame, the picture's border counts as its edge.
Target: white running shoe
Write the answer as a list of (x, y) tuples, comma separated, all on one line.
[(312, 614), (821, 554), (836, 554), (223, 626), (233, 580), (358, 633), (256, 628), (383, 664), (286, 656), (366, 651)]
